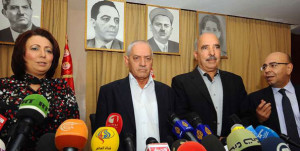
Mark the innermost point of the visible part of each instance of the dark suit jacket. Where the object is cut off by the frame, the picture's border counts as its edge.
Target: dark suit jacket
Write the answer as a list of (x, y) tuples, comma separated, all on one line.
[(115, 97), (267, 94), (194, 97), (172, 46), (6, 35), (116, 44)]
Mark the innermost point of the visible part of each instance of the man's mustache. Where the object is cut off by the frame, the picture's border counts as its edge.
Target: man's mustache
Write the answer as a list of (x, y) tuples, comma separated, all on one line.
[(211, 58)]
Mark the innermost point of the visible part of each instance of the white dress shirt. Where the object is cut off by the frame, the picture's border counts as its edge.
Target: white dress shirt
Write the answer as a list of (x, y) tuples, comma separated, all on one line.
[(100, 44), (162, 47), (145, 111)]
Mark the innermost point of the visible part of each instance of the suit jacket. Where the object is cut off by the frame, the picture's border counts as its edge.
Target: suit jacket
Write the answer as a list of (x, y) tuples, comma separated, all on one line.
[(6, 35), (116, 44), (116, 97), (267, 94), (172, 46), (194, 97)]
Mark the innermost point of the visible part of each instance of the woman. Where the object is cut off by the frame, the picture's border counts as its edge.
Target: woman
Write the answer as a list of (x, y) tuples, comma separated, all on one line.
[(34, 61)]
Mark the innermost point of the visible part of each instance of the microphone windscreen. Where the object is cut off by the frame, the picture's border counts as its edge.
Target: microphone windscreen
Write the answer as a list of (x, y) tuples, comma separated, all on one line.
[(71, 133), (274, 144), (191, 146), (115, 120), (2, 121), (177, 143), (251, 129), (151, 140), (105, 139), (264, 132), (46, 143), (193, 118), (2, 146), (242, 139), (34, 106), (212, 143)]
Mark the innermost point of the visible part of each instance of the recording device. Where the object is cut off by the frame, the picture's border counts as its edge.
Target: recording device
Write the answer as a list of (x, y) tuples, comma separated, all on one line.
[(115, 120), (46, 143), (2, 121), (251, 129), (212, 143), (289, 140), (177, 143), (274, 143), (242, 140), (153, 145), (191, 146), (264, 132), (181, 128), (71, 135), (32, 110), (2, 145), (200, 130), (128, 141), (105, 139)]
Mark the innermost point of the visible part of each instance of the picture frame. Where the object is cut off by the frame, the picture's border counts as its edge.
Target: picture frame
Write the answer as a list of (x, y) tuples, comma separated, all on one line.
[(162, 28), (209, 22), (105, 31), (9, 30)]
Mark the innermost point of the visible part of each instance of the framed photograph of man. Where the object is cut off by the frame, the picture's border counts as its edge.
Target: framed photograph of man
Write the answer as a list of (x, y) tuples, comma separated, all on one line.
[(18, 16), (215, 24), (163, 29), (105, 25)]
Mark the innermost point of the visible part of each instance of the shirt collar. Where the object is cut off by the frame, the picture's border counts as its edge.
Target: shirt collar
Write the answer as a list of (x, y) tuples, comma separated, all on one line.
[(289, 88), (16, 34), (99, 43), (160, 45), (132, 79), (202, 72)]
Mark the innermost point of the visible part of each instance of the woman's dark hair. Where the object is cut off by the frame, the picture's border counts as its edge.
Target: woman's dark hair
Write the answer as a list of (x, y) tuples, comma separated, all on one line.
[(214, 19), (18, 63)]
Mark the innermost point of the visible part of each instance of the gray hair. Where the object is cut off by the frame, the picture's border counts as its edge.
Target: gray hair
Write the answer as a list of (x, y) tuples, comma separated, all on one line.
[(129, 48)]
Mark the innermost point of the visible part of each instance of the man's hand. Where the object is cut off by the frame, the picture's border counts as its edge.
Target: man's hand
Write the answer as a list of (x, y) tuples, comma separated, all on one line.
[(263, 111)]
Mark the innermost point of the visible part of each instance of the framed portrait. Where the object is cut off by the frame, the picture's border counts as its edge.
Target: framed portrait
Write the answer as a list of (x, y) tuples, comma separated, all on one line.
[(163, 29), (105, 25), (216, 24), (18, 16)]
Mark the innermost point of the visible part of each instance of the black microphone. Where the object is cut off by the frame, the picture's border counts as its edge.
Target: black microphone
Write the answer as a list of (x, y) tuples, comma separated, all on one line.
[(32, 110), (151, 140), (128, 141), (46, 143), (212, 143), (289, 140), (181, 128)]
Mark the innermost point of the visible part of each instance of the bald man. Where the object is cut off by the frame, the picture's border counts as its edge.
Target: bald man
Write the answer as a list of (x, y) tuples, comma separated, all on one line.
[(277, 106), (212, 93)]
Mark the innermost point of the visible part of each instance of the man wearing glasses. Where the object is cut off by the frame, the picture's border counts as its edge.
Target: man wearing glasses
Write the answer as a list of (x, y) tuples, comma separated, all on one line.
[(277, 106)]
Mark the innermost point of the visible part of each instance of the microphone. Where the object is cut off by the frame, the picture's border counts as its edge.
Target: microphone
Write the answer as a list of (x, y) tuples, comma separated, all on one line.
[(212, 143), (251, 129), (264, 132), (71, 135), (177, 143), (2, 121), (181, 128), (2, 145), (153, 145), (105, 139), (200, 130), (115, 120), (33, 109), (191, 146), (289, 140), (242, 140), (46, 143), (129, 142), (274, 143)]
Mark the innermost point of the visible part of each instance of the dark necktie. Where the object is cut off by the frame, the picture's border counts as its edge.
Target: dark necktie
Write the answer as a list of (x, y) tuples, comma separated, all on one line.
[(289, 117)]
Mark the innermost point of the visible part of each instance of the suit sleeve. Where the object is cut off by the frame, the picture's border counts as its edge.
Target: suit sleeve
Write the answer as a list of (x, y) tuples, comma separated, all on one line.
[(102, 109), (181, 101)]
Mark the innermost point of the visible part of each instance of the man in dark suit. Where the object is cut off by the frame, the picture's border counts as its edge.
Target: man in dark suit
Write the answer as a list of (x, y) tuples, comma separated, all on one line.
[(212, 93), (161, 27), (143, 103), (269, 104), (105, 19), (18, 13)]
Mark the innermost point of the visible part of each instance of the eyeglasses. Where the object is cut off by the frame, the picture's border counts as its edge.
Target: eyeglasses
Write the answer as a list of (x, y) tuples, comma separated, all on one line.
[(272, 65)]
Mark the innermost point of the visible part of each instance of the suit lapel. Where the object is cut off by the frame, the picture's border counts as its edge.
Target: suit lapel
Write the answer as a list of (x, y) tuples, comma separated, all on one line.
[(200, 85), (297, 91), (269, 97), (160, 106), (126, 99)]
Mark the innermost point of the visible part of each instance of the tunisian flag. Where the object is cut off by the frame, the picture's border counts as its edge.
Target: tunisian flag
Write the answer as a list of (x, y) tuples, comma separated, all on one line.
[(67, 66)]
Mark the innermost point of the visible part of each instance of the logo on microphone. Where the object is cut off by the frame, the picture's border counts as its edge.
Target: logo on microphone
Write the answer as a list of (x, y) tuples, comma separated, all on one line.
[(67, 126), (105, 134), (207, 130), (184, 124), (199, 134)]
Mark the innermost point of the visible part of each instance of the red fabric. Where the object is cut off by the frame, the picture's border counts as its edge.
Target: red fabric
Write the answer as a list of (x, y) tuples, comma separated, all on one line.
[(67, 67)]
